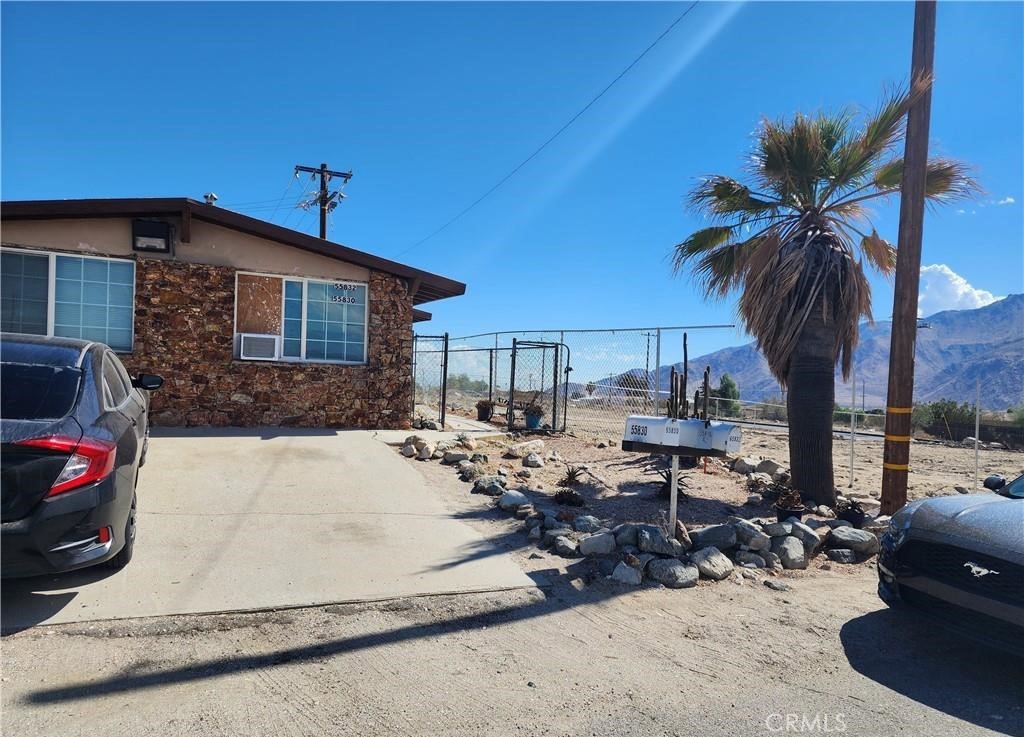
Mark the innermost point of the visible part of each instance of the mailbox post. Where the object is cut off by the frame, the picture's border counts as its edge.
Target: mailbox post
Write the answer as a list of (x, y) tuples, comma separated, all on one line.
[(673, 437)]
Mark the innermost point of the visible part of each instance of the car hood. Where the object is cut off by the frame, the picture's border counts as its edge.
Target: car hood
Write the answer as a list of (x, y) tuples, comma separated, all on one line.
[(990, 520)]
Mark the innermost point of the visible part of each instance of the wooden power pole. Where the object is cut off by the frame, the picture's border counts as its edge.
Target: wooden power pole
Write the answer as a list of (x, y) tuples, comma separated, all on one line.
[(896, 461), (326, 200)]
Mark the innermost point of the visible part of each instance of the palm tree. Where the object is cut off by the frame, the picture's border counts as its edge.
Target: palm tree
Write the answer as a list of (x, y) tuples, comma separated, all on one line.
[(794, 244)]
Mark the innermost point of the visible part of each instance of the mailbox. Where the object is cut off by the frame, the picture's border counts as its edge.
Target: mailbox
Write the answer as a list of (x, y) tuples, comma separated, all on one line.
[(680, 437)]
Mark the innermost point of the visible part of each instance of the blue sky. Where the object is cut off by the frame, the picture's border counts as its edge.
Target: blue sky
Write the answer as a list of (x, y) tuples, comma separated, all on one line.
[(431, 104)]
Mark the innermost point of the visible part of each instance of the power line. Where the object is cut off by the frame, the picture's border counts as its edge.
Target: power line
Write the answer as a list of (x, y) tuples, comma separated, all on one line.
[(557, 133)]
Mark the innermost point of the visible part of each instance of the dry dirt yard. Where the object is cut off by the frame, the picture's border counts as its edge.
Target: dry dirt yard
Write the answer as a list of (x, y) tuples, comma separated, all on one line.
[(577, 655)]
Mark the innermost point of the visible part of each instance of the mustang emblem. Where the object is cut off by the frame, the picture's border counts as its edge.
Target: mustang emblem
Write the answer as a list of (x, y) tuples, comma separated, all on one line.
[(977, 571)]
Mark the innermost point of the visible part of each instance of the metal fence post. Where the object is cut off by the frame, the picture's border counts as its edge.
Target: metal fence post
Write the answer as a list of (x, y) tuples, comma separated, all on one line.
[(512, 389), (490, 375), (554, 391), (444, 380), (657, 376), (412, 409)]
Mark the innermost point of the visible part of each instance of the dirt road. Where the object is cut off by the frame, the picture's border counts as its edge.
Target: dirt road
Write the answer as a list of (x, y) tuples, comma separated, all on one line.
[(725, 659)]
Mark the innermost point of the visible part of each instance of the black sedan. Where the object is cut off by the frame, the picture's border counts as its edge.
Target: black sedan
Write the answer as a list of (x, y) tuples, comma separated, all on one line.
[(74, 430), (960, 559)]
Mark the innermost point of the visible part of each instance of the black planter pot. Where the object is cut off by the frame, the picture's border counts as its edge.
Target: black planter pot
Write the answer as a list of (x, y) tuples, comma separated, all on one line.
[(853, 517), (484, 414), (785, 514)]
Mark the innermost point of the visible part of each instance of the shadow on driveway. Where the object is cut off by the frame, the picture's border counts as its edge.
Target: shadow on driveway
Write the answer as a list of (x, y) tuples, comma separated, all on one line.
[(903, 651), (25, 602)]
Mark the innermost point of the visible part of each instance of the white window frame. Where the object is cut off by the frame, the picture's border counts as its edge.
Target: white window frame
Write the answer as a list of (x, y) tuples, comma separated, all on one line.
[(51, 285), (305, 305)]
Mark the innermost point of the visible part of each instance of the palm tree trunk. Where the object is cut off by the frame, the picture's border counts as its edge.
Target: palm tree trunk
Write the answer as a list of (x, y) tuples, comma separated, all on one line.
[(810, 403)]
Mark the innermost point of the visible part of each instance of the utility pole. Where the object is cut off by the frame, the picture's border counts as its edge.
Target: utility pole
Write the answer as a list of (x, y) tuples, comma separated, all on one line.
[(900, 400), (327, 200)]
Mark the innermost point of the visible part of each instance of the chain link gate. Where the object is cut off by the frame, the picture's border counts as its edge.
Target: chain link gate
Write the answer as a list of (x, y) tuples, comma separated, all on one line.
[(538, 378), (430, 375)]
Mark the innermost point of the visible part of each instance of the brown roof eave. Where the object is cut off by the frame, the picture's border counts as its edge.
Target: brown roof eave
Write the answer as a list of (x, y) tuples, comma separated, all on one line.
[(431, 286)]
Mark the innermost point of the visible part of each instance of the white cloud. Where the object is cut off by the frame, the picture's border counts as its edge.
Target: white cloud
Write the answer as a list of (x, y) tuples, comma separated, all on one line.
[(944, 289), (961, 212), (1006, 201)]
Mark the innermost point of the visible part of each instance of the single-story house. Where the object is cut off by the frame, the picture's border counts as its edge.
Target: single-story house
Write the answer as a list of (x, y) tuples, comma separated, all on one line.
[(248, 322)]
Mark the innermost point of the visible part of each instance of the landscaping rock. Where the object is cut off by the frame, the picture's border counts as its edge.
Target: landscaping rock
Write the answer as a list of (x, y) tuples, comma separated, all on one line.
[(437, 455), (673, 573), (533, 460), (841, 555), (760, 479), (464, 466), (565, 547), (625, 534), (712, 563), (416, 441), (754, 500), (602, 543), (489, 485), (780, 477), (586, 523), (455, 456), (409, 451), (809, 537), (683, 536), (551, 522), (521, 450), (744, 465), (524, 473), (534, 523), (722, 537), (777, 585), (650, 539), (627, 574), (512, 500), (859, 541), (425, 452), (479, 458), (823, 510), (791, 551), (524, 511), (771, 560), (749, 534), (549, 536), (769, 467), (745, 557), (431, 425), (834, 523), (777, 529), (535, 533)]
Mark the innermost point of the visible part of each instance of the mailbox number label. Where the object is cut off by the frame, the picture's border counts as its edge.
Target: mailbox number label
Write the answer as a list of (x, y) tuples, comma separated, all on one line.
[(638, 429)]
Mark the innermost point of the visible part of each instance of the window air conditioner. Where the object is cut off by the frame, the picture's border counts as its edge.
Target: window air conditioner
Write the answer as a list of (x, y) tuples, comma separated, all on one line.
[(259, 347)]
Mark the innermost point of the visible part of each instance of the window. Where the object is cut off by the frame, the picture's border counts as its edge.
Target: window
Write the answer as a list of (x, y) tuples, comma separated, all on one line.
[(68, 296), (24, 280), (316, 320), (113, 387)]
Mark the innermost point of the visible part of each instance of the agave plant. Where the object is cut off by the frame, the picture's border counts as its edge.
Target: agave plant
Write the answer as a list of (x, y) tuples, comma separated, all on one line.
[(794, 243)]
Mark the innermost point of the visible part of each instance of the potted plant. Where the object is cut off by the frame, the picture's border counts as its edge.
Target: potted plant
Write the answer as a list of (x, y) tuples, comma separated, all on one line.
[(484, 410), (790, 504), (533, 412), (851, 511)]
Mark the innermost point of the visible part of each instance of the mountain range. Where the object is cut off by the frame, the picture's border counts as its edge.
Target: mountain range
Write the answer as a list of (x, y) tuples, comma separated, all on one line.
[(955, 350)]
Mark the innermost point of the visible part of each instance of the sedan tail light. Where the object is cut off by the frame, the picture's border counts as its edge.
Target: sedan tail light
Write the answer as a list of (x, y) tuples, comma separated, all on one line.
[(91, 460)]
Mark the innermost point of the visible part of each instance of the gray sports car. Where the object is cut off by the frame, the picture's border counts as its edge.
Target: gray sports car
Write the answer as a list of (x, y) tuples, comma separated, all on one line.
[(960, 559)]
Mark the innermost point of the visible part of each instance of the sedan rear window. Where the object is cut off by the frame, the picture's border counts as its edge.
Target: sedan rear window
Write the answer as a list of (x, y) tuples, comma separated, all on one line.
[(32, 392)]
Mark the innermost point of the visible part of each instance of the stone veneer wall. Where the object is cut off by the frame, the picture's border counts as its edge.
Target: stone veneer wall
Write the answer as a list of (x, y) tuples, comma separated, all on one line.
[(184, 331)]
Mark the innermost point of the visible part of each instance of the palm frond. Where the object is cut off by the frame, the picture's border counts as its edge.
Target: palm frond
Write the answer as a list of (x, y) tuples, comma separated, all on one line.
[(856, 158), (720, 196), (702, 241), (879, 252)]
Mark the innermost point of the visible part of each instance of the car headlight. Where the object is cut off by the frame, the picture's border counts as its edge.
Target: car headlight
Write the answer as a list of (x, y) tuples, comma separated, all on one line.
[(899, 525)]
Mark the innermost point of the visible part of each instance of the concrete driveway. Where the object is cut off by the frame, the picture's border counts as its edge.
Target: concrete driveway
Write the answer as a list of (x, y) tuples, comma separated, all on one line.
[(250, 519)]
